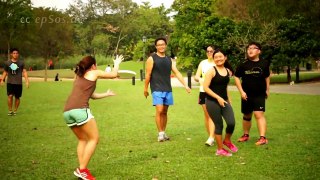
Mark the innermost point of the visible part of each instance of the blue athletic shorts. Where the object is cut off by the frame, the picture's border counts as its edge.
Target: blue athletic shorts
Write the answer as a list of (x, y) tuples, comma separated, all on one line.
[(77, 117), (162, 98)]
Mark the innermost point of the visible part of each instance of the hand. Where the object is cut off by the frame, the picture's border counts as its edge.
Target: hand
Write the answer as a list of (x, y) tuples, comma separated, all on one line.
[(110, 93), (222, 102), (244, 96), (188, 89), (146, 94), (267, 94), (118, 60)]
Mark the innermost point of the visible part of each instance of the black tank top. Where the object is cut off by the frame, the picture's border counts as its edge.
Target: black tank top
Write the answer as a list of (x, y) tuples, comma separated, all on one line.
[(160, 75), (219, 85)]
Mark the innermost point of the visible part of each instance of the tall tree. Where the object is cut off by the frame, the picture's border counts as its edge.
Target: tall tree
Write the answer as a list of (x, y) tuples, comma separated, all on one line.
[(12, 13), (54, 34)]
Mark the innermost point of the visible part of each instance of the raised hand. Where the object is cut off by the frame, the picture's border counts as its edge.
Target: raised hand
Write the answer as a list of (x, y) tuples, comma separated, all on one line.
[(118, 59)]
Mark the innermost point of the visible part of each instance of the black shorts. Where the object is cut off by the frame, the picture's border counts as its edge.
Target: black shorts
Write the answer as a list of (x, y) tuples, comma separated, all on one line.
[(253, 104), (202, 98), (14, 89)]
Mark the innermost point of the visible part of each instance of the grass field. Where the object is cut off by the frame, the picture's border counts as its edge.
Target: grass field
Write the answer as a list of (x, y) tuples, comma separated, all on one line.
[(37, 144)]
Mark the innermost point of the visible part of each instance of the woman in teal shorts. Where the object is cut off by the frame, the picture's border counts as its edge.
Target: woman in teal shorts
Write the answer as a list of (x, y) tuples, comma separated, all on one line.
[(77, 112)]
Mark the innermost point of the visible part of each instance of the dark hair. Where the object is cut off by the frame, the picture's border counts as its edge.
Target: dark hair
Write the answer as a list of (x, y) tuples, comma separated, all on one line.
[(254, 43), (209, 45), (14, 49), (160, 38), (84, 65), (226, 63)]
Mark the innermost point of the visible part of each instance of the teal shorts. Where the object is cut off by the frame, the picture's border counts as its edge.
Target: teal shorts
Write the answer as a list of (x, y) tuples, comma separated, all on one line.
[(77, 117), (162, 98)]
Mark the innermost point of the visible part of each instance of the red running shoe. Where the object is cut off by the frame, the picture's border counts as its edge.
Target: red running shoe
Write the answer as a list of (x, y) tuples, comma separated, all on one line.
[(83, 174), (244, 138), (262, 141)]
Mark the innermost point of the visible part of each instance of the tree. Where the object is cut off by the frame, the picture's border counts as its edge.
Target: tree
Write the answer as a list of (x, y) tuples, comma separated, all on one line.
[(12, 13), (297, 42), (54, 34)]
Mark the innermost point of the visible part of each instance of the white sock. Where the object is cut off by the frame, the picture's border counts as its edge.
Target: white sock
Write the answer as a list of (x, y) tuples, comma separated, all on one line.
[(161, 133)]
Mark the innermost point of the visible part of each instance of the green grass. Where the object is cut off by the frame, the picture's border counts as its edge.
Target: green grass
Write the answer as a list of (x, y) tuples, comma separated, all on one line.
[(37, 144)]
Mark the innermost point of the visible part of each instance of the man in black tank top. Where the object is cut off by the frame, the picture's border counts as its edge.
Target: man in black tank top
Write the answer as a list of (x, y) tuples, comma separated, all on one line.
[(158, 72)]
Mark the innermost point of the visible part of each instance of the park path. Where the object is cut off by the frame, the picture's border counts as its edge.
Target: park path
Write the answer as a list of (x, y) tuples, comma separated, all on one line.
[(312, 88)]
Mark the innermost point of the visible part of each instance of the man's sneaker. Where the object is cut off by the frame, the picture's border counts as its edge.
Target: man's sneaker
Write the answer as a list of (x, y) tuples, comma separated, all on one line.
[(14, 113), (262, 141), (161, 138), (244, 138), (166, 138), (83, 174), (231, 146), (223, 152), (209, 142)]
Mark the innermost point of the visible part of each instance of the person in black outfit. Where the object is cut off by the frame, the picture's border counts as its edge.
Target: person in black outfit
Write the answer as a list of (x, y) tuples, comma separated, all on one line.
[(218, 102), (252, 78)]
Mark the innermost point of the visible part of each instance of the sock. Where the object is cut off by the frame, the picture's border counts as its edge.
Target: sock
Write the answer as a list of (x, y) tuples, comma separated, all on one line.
[(161, 133)]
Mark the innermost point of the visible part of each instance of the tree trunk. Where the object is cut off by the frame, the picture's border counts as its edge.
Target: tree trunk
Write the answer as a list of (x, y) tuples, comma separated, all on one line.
[(8, 44), (288, 74), (297, 74)]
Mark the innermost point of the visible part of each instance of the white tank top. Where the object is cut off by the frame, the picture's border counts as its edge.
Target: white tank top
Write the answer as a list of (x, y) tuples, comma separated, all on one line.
[(205, 66)]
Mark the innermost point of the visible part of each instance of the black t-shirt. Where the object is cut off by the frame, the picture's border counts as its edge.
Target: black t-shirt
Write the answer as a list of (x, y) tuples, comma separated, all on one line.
[(14, 70), (253, 74)]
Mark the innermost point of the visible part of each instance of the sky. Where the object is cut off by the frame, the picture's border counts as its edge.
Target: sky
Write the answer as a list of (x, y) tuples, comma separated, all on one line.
[(64, 4)]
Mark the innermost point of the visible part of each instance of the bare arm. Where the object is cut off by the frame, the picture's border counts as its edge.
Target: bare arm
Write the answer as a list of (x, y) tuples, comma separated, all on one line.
[(268, 86), (149, 67), (25, 75), (4, 75), (102, 95), (179, 76), (239, 86), (197, 77), (209, 75)]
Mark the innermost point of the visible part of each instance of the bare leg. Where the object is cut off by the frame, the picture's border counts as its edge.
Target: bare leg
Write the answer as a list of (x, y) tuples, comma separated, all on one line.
[(219, 141), (261, 122), (161, 117), (208, 122), (16, 104), (227, 138), (246, 125), (88, 138), (164, 117), (10, 99)]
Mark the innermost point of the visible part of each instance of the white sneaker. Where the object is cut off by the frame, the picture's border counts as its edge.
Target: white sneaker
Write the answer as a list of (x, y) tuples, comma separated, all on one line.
[(161, 138), (209, 142)]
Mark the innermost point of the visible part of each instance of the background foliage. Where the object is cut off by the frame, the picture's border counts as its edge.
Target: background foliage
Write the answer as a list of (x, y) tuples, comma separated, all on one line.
[(290, 39)]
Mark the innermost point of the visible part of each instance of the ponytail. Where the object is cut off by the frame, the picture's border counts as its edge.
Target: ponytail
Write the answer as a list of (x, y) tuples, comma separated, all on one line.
[(84, 65)]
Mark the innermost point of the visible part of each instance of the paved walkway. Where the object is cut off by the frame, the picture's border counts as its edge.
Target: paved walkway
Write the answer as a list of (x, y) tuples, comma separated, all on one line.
[(312, 88)]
